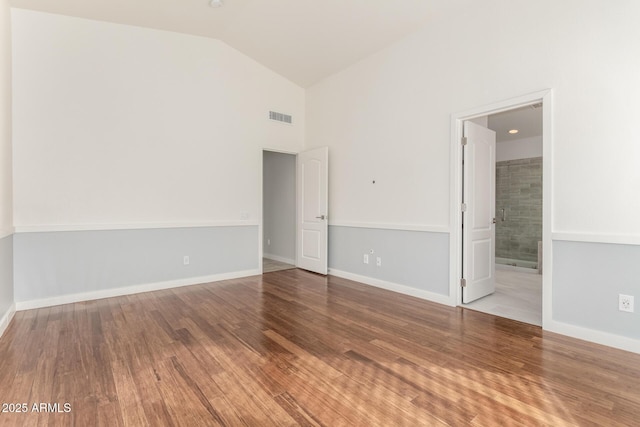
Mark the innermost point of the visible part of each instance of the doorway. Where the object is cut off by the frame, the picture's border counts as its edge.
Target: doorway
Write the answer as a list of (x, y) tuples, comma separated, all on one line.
[(278, 211), (520, 292), (295, 205), (517, 216)]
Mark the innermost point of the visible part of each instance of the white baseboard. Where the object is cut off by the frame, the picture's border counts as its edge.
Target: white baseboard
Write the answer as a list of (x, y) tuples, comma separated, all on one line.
[(279, 258), (395, 287), (6, 318), (128, 290), (592, 335)]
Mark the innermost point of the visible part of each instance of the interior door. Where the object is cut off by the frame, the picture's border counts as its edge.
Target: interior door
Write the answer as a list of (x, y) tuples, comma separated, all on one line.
[(479, 233), (313, 205)]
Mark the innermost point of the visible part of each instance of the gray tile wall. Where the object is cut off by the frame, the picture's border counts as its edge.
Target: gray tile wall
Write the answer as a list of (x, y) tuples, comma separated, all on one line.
[(519, 192)]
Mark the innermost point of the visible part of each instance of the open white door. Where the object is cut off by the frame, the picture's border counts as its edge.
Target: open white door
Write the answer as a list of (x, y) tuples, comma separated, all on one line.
[(313, 205), (479, 233)]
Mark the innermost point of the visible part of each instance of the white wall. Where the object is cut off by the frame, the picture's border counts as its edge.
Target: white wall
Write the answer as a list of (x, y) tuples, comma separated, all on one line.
[(116, 124), (388, 116), (524, 148), (6, 199), (124, 127)]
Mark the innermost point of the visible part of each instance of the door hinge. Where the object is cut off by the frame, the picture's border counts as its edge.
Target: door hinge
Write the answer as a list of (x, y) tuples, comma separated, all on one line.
[(463, 282), (464, 207), (463, 140)]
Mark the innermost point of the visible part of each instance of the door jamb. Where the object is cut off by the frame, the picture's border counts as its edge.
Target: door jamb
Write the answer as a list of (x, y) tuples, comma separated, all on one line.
[(455, 236)]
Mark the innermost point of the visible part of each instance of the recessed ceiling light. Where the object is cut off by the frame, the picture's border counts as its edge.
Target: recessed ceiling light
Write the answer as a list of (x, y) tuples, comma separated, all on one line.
[(216, 3), (513, 131)]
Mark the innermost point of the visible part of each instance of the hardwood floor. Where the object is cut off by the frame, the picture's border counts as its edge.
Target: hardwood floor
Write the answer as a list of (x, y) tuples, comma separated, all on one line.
[(294, 348)]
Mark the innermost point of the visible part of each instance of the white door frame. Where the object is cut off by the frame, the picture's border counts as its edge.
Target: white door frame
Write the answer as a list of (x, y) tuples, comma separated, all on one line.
[(455, 236)]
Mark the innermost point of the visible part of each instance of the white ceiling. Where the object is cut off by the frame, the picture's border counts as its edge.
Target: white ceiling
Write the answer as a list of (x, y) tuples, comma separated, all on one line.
[(527, 120), (303, 40)]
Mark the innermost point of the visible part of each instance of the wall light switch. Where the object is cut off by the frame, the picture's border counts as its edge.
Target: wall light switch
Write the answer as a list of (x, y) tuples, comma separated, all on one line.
[(379, 262), (366, 259)]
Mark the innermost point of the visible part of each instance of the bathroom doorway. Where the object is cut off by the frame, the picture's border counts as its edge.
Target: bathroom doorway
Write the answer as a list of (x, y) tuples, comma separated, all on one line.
[(518, 223)]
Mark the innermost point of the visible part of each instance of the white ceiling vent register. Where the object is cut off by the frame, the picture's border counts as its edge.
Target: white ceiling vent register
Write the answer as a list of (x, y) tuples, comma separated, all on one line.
[(279, 117)]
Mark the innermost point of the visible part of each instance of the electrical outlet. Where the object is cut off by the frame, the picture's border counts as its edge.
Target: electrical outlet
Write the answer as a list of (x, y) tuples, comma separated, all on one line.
[(268, 242), (366, 259), (379, 262), (625, 303), (185, 260)]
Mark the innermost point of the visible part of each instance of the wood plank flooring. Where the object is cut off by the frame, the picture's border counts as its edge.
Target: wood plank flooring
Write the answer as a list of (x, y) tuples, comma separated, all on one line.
[(293, 348)]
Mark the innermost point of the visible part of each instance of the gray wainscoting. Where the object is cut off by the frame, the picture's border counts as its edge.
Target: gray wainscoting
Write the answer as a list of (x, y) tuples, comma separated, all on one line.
[(417, 259), (54, 264), (6, 275), (587, 278)]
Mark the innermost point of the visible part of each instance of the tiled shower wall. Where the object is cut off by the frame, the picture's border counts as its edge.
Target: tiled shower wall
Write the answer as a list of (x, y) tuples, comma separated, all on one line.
[(519, 193)]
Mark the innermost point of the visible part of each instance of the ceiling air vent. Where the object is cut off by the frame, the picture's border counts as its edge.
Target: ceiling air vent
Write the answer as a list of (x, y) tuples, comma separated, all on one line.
[(279, 117)]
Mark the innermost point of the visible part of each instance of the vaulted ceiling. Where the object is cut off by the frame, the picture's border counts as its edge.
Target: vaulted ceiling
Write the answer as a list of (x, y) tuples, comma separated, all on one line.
[(303, 40)]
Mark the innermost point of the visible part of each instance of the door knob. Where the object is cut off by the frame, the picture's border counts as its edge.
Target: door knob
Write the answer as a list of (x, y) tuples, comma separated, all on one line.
[(321, 217)]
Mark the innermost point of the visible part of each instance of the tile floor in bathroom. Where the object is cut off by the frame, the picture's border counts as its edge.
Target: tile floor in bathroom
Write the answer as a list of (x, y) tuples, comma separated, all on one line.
[(518, 296)]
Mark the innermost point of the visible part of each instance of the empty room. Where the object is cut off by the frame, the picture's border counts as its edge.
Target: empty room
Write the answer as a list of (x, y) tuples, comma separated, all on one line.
[(284, 212)]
